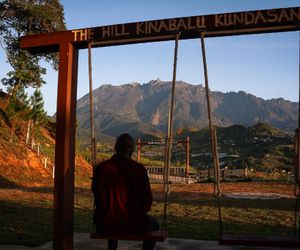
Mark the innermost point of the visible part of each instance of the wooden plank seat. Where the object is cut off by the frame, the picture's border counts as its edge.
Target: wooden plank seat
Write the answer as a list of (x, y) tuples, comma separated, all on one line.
[(264, 241), (151, 235)]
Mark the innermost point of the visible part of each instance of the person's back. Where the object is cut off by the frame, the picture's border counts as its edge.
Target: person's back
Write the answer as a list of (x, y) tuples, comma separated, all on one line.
[(122, 195)]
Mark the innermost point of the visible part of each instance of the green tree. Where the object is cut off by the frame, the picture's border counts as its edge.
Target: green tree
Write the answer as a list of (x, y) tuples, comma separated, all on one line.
[(17, 111), (38, 114), (26, 17)]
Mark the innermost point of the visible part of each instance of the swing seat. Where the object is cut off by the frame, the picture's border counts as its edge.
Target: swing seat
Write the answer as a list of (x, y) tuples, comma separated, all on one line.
[(263, 241), (151, 235)]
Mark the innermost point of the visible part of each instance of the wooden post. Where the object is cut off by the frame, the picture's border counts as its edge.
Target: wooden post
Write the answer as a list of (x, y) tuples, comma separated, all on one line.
[(139, 150), (28, 132), (246, 173), (187, 161), (223, 173), (45, 164), (65, 148)]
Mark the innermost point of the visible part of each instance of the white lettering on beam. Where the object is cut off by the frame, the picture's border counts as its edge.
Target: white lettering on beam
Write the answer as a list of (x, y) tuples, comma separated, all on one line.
[(181, 24), (75, 32), (272, 17), (283, 15), (228, 19), (163, 25), (238, 19), (200, 22), (90, 34), (151, 27), (190, 25), (83, 34), (219, 20), (114, 31), (261, 17), (140, 28), (106, 31), (249, 18), (172, 24), (294, 15)]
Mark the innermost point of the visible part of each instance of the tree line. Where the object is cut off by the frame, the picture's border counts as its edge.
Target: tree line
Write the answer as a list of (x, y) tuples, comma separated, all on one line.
[(20, 18)]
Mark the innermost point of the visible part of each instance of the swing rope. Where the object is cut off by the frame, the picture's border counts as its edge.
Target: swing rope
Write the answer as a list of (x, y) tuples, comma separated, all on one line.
[(296, 187), (93, 140), (281, 242), (297, 162), (213, 137), (170, 137)]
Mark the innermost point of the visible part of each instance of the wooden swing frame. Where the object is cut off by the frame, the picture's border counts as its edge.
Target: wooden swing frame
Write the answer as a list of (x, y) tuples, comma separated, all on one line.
[(248, 240), (68, 43)]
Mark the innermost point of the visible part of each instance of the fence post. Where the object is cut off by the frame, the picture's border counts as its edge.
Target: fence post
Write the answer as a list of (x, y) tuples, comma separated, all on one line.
[(139, 150), (223, 173), (246, 173), (32, 143), (28, 131), (187, 162)]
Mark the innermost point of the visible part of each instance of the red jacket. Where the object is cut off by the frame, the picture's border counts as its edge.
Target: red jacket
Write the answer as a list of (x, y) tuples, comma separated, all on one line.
[(122, 196)]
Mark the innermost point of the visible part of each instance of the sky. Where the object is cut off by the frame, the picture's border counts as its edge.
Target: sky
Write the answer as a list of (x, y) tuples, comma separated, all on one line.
[(265, 65)]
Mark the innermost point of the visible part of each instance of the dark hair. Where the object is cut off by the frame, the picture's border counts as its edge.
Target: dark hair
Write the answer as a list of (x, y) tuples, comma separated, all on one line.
[(124, 144)]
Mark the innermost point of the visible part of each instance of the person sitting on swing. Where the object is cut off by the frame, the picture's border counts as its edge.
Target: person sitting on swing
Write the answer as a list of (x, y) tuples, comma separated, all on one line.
[(122, 195)]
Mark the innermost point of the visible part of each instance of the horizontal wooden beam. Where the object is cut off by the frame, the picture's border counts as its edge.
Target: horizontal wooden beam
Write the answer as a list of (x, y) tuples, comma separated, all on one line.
[(46, 42), (224, 24)]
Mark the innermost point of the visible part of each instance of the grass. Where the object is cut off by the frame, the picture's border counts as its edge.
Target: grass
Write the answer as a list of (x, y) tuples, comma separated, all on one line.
[(198, 219), (26, 213), (26, 218)]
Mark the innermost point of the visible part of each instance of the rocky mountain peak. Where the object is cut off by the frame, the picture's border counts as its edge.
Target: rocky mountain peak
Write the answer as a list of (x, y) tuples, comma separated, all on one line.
[(143, 108)]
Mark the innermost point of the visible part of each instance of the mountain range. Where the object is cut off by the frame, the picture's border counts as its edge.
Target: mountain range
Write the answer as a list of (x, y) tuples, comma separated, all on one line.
[(143, 109)]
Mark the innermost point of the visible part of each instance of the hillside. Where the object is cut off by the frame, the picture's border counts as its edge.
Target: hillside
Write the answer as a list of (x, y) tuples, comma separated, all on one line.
[(31, 164), (143, 109), (22, 166), (259, 147)]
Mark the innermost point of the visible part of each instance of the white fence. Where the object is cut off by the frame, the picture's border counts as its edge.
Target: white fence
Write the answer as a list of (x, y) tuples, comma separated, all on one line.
[(177, 174)]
